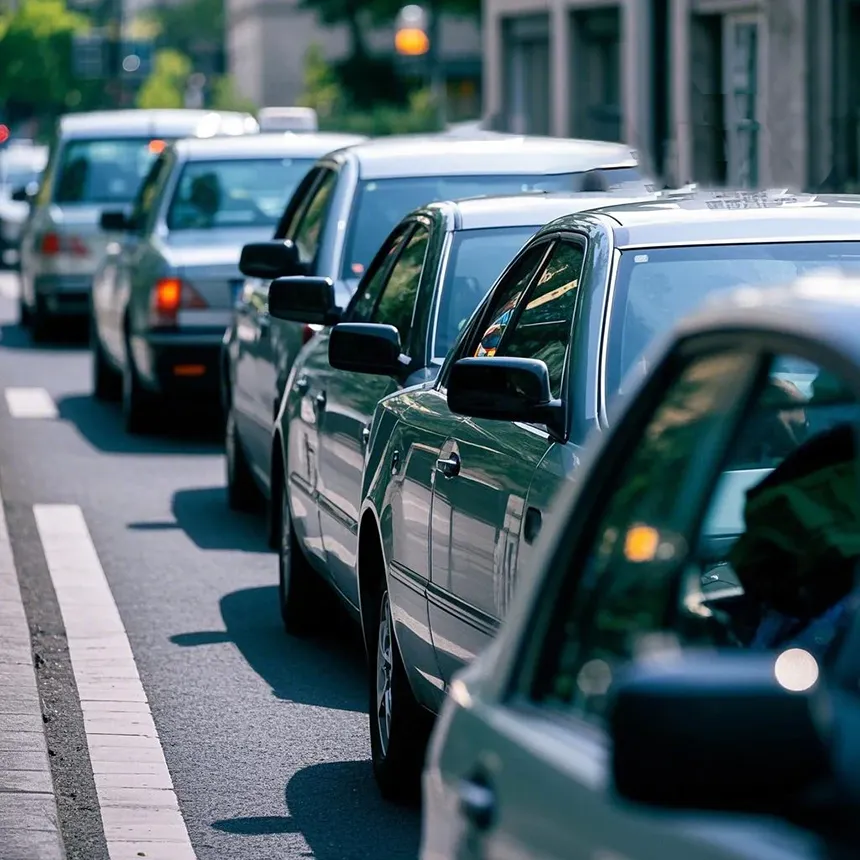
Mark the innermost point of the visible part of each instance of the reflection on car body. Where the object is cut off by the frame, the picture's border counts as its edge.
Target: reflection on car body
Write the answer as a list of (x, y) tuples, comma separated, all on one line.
[(492, 464)]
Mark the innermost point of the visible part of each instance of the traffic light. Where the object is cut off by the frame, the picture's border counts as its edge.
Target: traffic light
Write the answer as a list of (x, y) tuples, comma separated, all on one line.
[(410, 35)]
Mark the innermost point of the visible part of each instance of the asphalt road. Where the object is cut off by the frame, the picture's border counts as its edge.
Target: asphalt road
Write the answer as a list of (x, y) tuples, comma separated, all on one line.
[(265, 737)]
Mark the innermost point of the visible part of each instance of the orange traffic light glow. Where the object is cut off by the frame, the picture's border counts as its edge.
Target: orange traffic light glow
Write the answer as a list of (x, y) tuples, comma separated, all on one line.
[(411, 41)]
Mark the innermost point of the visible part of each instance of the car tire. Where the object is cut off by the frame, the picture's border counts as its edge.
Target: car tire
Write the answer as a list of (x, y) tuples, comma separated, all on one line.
[(24, 319), (139, 406), (302, 595), (107, 382), (242, 492), (41, 323), (399, 726)]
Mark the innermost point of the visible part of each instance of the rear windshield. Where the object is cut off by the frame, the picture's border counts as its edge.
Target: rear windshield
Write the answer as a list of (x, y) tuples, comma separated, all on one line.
[(234, 193), (476, 260), (381, 204), (103, 171)]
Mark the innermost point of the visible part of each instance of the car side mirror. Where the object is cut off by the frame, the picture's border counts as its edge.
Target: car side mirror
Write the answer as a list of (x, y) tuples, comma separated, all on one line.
[(21, 195), (269, 260), (505, 389), (303, 300), (370, 348), (719, 732), (114, 221)]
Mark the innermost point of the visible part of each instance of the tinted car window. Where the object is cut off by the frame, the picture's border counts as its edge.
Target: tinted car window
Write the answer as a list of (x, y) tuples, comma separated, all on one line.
[(655, 287), (234, 192), (397, 301), (148, 192), (367, 292), (381, 203), (475, 261), (103, 171), (542, 328), (307, 231)]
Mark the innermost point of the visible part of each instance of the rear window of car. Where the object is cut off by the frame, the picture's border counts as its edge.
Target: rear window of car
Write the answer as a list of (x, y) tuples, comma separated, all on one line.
[(103, 171), (234, 192), (380, 204)]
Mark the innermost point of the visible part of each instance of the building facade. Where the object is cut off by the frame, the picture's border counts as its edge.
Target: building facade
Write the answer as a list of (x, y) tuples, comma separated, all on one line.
[(724, 92), (268, 40)]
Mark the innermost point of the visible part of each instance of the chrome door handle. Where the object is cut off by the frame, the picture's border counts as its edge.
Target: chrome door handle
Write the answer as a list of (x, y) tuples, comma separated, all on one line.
[(449, 467), (302, 385), (365, 435), (477, 803)]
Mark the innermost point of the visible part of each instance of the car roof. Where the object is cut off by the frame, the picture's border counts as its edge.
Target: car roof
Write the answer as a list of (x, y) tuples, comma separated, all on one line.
[(515, 210), (437, 155), (173, 122), (307, 144), (710, 217)]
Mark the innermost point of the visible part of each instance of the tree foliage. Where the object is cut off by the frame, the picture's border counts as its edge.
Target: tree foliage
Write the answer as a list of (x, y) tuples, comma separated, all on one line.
[(36, 57), (184, 26), (165, 87), (225, 96)]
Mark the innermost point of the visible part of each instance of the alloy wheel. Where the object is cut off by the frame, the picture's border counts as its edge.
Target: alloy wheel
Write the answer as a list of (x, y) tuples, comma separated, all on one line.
[(384, 671)]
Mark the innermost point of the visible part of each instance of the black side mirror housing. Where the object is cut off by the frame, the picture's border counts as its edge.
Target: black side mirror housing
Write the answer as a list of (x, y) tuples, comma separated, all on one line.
[(269, 260), (370, 348), (303, 300), (505, 389), (21, 195), (114, 221), (719, 732)]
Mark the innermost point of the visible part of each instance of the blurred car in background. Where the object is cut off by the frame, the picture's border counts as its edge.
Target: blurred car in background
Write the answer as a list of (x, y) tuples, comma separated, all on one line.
[(677, 678), (163, 296), (97, 161), (461, 472), (288, 119), (342, 212), (21, 166)]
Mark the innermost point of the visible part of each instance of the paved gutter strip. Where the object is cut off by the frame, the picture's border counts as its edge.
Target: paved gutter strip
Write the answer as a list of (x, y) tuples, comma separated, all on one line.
[(139, 807), (29, 827)]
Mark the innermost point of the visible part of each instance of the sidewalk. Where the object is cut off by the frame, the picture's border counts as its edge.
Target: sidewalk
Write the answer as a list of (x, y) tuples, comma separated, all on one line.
[(28, 811)]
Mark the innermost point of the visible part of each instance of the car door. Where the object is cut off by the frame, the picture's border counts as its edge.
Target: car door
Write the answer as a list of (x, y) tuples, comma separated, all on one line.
[(485, 468), (348, 400), (633, 581)]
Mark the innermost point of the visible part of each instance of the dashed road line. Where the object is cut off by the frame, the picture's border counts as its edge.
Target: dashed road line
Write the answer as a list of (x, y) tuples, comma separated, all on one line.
[(138, 804), (30, 403)]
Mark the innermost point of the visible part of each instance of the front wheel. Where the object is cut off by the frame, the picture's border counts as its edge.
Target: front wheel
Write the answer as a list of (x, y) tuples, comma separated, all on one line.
[(399, 726), (303, 597)]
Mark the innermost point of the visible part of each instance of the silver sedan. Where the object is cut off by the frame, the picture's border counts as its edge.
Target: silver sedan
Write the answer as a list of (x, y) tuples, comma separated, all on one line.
[(164, 294)]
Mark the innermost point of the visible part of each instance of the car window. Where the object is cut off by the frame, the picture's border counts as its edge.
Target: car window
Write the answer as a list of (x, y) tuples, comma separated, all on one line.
[(504, 301), (542, 327), (622, 581), (147, 194), (307, 230), (397, 302), (363, 302), (762, 554)]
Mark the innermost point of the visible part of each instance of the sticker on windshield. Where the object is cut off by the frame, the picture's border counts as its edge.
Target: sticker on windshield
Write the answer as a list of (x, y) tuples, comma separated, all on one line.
[(640, 258)]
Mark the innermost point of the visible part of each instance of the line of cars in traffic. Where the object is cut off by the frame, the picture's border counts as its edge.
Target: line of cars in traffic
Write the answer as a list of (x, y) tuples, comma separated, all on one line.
[(412, 340)]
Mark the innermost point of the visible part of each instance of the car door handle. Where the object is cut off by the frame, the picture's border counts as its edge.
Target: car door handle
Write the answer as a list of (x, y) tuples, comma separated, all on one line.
[(477, 802), (302, 385), (449, 467), (532, 524), (365, 435), (320, 400)]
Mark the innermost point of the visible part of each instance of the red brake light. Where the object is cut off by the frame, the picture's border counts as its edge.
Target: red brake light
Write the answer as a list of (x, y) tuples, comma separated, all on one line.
[(53, 244), (171, 295)]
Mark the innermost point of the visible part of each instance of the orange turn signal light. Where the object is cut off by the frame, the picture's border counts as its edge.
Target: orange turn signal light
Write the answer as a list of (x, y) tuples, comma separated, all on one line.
[(157, 146)]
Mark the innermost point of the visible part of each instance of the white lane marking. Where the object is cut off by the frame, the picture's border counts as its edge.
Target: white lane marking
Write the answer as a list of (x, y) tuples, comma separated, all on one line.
[(138, 804), (30, 403)]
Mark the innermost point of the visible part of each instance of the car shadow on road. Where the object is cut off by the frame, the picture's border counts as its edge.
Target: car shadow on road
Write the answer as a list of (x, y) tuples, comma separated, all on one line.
[(101, 425), (327, 671), (338, 810), (71, 336), (202, 513)]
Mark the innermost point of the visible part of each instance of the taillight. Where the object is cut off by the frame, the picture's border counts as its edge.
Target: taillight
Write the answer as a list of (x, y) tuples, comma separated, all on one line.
[(169, 296), (53, 244), (308, 331)]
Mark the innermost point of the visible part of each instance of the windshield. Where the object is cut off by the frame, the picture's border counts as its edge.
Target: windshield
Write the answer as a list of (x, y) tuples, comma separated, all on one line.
[(476, 260), (381, 204), (103, 171), (656, 287), (234, 193)]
